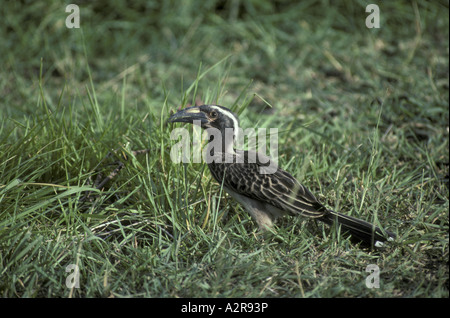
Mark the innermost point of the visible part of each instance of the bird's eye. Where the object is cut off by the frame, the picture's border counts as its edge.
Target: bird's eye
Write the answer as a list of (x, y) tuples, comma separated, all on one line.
[(213, 114)]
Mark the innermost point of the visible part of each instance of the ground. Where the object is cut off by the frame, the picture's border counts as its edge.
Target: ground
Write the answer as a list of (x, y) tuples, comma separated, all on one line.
[(362, 116)]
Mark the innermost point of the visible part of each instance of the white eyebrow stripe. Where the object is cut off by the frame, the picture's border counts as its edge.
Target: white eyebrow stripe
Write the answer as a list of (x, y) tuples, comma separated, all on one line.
[(230, 115)]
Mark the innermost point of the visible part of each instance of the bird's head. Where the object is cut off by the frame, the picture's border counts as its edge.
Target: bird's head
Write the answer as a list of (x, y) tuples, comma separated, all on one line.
[(207, 116), (214, 119)]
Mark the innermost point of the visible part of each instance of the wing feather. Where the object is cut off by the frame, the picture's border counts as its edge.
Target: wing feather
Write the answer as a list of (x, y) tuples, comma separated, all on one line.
[(279, 189)]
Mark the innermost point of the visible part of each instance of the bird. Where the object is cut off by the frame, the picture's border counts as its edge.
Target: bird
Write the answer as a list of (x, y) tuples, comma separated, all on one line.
[(265, 195)]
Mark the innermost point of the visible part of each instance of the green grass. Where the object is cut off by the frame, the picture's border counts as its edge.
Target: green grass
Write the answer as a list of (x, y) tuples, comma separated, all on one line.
[(363, 123)]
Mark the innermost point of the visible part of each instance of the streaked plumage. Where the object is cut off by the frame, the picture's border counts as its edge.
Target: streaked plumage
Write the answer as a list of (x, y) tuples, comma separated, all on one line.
[(266, 196)]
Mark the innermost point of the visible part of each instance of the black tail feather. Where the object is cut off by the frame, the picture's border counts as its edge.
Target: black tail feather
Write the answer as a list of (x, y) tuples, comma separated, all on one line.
[(362, 230)]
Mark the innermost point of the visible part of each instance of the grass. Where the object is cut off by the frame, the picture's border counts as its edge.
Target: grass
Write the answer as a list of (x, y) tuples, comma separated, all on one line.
[(362, 117)]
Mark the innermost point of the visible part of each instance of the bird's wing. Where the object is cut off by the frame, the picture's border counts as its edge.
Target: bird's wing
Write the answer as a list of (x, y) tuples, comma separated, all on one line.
[(279, 188)]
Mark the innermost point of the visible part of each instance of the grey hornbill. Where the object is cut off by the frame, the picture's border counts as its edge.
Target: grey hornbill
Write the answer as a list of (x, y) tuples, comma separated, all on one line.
[(265, 196)]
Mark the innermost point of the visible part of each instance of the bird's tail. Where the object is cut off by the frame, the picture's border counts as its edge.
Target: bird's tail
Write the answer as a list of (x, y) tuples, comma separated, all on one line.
[(366, 232)]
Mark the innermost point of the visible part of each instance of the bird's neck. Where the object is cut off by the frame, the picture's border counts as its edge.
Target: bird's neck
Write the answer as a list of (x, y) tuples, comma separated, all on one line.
[(221, 141)]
